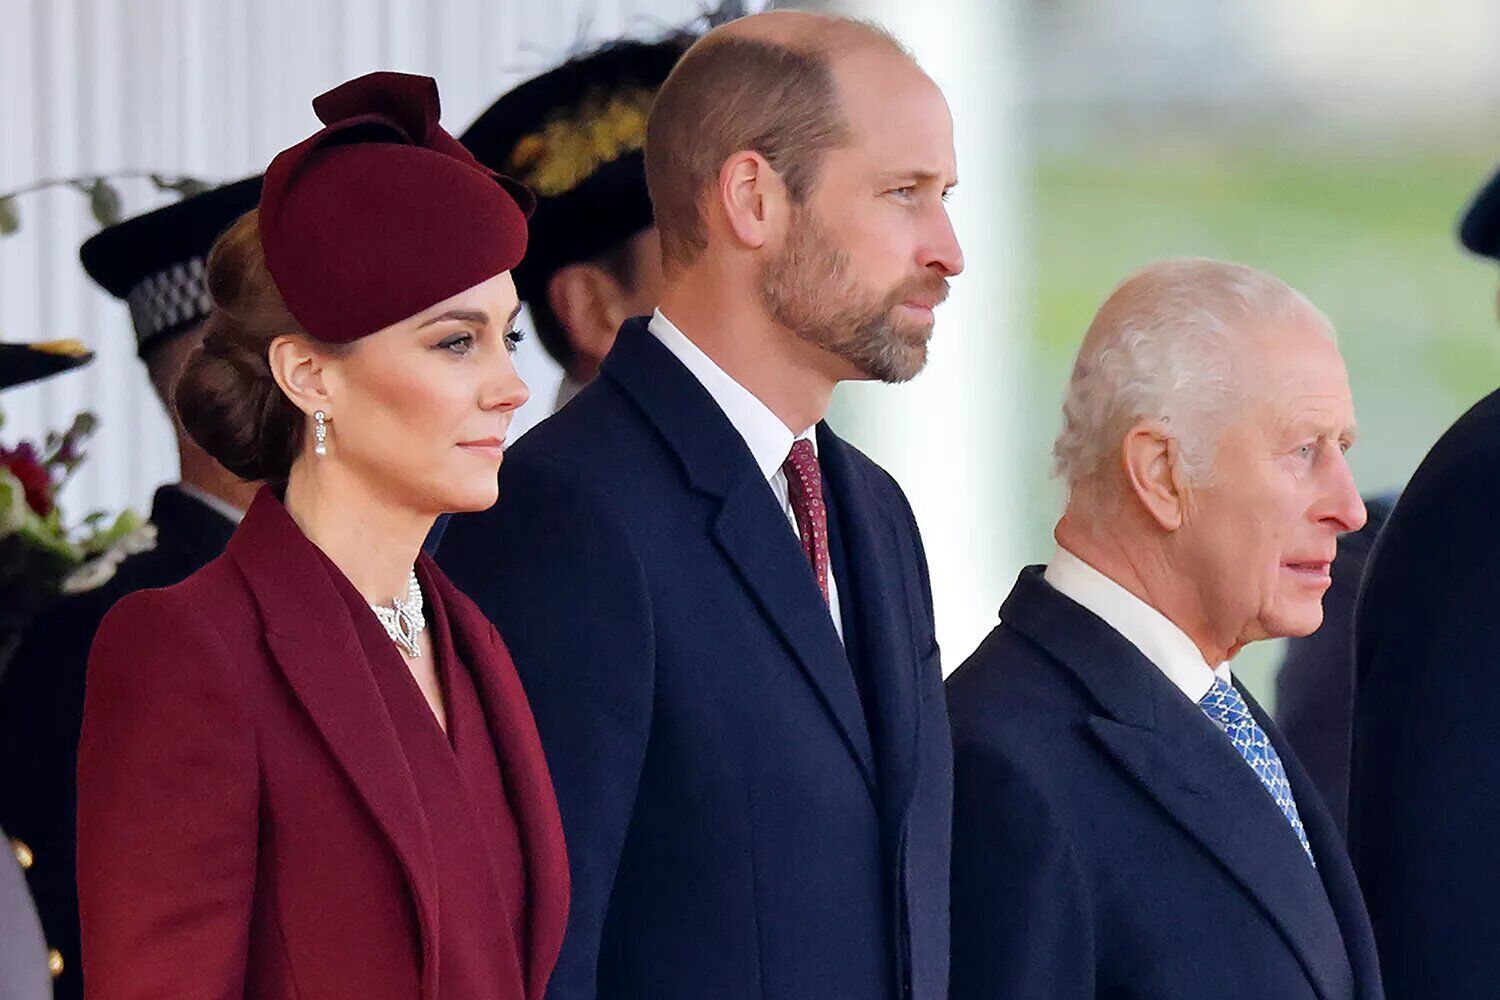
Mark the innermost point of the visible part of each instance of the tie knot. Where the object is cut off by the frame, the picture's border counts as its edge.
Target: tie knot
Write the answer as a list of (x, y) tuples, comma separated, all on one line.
[(1225, 705), (802, 472)]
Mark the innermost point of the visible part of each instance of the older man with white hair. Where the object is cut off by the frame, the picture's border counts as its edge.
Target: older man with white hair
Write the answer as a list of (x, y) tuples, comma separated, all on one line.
[(1127, 822)]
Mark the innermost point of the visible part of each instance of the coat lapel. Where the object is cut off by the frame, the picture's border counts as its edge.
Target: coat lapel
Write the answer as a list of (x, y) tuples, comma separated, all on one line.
[(748, 531), (1198, 778), (312, 639), (528, 783), (750, 528), (877, 586), (1334, 866), (1189, 769)]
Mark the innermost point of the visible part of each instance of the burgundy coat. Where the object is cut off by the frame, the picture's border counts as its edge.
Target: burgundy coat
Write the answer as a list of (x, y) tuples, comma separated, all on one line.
[(248, 825)]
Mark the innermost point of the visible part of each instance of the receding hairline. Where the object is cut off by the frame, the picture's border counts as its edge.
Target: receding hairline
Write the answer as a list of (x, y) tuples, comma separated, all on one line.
[(714, 105), (1217, 286), (1208, 315), (825, 38), (803, 32)]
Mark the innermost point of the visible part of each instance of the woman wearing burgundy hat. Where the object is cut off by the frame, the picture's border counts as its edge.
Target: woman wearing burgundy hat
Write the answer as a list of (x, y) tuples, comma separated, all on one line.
[(309, 770)]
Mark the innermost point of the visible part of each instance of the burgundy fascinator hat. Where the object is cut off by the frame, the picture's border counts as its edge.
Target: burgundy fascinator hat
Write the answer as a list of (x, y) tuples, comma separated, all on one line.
[(382, 213)]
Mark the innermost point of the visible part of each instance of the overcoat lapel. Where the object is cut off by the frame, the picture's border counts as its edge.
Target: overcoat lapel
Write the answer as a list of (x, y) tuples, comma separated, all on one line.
[(1334, 865), (749, 528), (884, 593), (312, 639), (528, 783), (1186, 765)]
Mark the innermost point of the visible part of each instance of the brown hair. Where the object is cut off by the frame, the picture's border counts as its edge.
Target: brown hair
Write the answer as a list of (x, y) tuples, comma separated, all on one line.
[(727, 95), (227, 399)]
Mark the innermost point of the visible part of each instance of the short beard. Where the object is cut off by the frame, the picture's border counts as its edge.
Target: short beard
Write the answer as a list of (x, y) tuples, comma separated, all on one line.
[(808, 289)]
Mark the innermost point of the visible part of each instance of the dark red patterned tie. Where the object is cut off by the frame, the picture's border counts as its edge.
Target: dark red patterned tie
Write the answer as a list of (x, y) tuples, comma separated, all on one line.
[(804, 482)]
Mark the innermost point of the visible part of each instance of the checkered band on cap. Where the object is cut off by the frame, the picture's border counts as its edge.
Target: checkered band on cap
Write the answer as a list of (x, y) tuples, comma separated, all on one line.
[(170, 299)]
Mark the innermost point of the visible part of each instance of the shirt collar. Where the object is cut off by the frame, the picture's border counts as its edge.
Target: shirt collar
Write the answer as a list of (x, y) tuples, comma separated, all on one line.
[(213, 503), (566, 390), (1146, 628), (769, 439)]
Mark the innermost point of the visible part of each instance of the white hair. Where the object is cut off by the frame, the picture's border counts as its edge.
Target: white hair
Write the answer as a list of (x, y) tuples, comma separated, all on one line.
[(1163, 347)]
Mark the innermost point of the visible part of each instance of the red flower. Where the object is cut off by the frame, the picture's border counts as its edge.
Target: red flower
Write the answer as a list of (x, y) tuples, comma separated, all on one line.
[(22, 463)]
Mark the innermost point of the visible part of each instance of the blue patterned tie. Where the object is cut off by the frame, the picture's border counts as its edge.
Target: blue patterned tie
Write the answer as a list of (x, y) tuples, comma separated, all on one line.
[(1226, 706)]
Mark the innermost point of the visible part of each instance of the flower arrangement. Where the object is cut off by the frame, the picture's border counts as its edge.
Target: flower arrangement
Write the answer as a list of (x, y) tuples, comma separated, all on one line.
[(42, 553)]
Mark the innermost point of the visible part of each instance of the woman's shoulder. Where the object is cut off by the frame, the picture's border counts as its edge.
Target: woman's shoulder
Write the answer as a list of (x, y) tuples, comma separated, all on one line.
[(193, 612), (215, 582)]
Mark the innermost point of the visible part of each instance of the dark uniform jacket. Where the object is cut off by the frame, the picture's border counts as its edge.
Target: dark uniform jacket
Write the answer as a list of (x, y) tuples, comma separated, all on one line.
[(1424, 798), (1315, 685), (41, 712)]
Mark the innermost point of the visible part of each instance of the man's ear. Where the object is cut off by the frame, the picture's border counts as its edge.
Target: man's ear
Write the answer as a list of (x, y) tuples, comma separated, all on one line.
[(298, 370), (590, 306), (753, 199), (1152, 462)]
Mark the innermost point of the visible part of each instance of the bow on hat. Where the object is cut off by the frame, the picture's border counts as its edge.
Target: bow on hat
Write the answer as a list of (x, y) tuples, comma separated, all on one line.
[(382, 214), (409, 106)]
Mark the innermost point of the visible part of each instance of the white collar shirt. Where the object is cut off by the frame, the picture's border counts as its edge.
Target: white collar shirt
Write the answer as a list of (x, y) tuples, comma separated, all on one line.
[(1144, 627), (769, 440)]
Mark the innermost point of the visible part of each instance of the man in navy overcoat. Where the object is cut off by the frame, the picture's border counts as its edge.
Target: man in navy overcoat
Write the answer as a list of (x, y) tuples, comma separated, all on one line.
[(1127, 822), (720, 610)]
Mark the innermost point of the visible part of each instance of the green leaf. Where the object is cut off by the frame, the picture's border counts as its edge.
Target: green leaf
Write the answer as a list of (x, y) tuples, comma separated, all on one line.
[(105, 202), (190, 186), (58, 548), (10, 217), (13, 509), (185, 187)]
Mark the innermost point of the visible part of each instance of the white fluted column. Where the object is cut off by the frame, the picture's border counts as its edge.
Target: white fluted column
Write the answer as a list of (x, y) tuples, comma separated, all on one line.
[(951, 436)]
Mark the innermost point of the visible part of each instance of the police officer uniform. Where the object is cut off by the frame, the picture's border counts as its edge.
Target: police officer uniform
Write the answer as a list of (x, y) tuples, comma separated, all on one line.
[(155, 263), (26, 965)]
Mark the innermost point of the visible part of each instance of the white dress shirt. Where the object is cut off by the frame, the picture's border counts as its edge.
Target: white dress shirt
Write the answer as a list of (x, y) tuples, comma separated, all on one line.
[(1147, 629), (769, 439)]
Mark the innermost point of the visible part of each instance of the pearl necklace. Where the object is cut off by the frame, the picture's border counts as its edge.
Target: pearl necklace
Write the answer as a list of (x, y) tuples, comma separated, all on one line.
[(403, 620)]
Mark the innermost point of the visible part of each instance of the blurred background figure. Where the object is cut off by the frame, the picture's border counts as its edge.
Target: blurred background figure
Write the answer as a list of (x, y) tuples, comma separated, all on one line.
[(1424, 815), (155, 264), (24, 958), (1315, 683), (28, 968), (576, 135)]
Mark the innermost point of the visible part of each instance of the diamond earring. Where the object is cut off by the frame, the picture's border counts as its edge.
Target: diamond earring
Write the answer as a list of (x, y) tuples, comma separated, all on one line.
[(320, 433)]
